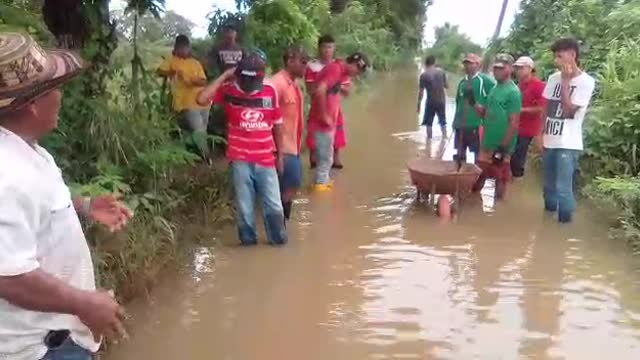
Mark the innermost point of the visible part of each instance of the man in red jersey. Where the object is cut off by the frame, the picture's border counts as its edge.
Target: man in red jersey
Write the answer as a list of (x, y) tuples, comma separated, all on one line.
[(325, 109), (326, 52), (255, 132), (533, 106)]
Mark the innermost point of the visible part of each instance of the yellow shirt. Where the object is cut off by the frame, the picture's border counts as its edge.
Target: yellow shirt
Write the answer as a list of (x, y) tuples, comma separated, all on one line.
[(186, 71)]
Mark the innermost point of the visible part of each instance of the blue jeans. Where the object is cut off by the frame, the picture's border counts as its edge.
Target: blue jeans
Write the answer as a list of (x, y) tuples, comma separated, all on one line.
[(560, 166), (68, 351), (250, 179), (324, 156), (291, 177)]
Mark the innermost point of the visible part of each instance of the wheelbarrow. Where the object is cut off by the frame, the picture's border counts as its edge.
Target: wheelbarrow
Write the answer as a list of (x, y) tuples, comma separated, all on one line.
[(432, 176)]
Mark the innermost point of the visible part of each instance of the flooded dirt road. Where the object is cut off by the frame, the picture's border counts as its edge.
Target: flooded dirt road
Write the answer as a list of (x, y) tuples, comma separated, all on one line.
[(370, 275)]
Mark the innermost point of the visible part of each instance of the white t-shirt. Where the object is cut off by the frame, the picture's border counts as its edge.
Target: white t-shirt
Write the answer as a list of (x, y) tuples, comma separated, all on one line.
[(561, 132), (39, 228)]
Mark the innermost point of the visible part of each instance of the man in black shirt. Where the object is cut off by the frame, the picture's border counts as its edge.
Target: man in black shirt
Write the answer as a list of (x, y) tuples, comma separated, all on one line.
[(228, 53), (434, 81)]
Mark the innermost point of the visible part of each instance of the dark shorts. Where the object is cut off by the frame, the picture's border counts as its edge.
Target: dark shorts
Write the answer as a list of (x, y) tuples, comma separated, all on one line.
[(431, 111), (467, 139), (291, 177)]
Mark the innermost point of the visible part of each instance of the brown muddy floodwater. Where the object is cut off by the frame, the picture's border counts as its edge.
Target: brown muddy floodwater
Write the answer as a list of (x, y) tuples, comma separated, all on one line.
[(370, 275)]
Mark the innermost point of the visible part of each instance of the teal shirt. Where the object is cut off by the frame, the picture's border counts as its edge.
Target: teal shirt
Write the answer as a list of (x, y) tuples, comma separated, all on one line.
[(466, 116), (503, 101)]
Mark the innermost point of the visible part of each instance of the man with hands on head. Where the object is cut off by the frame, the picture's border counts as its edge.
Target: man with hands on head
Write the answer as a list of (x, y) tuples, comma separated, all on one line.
[(255, 135)]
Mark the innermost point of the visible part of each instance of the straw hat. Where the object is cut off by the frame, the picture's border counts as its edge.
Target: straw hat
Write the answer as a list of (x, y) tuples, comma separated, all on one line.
[(27, 71)]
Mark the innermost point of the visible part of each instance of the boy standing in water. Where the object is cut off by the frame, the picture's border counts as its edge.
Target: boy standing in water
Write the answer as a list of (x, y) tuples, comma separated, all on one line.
[(475, 85), (188, 79), (326, 52), (568, 93), (501, 121), (532, 109), (325, 110), (292, 105), (255, 134), (434, 81)]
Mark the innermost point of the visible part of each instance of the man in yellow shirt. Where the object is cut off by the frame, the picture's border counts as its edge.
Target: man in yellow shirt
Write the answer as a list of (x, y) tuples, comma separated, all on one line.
[(187, 80)]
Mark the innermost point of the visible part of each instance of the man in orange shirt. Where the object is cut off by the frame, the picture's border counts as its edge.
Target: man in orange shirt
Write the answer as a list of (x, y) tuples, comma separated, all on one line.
[(291, 105)]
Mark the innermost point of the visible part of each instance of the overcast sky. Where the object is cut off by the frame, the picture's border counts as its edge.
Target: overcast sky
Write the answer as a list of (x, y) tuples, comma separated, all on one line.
[(477, 18)]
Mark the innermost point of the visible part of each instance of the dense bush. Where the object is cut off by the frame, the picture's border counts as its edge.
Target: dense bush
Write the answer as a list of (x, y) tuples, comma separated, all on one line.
[(450, 46), (609, 32)]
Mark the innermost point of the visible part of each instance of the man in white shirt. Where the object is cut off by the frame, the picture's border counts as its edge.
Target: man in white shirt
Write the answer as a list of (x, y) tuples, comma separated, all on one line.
[(49, 306), (568, 93)]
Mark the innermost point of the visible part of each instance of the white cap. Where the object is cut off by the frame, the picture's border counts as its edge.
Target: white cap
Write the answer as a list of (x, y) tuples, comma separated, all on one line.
[(525, 61)]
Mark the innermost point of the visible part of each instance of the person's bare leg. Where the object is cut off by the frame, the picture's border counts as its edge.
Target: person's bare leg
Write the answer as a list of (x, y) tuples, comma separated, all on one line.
[(287, 202), (312, 158), (337, 162)]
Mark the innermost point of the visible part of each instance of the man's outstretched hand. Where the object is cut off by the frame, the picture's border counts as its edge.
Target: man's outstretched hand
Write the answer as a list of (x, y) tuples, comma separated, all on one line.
[(110, 212)]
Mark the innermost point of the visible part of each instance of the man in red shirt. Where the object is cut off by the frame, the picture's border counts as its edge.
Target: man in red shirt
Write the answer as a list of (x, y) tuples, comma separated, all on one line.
[(531, 121), (325, 109), (326, 52), (255, 132)]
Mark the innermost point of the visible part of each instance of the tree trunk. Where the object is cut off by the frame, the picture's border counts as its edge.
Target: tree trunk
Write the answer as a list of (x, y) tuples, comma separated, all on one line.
[(496, 35), (76, 25), (135, 63), (66, 21)]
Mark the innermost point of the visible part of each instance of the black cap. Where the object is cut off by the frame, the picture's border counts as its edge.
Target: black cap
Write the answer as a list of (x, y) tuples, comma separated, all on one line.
[(360, 60), (250, 72)]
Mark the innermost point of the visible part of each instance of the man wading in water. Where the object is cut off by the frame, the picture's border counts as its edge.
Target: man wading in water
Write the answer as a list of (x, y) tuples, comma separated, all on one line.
[(49, 306), (326, 52), (475, 85), (325, 110), (292, 105), (501, 121), (255, 126), (434, 81), (532, 109), (568, 93)]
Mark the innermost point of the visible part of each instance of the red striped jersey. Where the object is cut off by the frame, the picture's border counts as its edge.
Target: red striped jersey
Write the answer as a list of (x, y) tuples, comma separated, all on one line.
[(251, 118)]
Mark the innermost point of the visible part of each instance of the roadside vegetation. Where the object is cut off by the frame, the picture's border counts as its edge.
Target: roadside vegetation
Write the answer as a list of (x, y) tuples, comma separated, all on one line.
[(609, 31), (117, 133)]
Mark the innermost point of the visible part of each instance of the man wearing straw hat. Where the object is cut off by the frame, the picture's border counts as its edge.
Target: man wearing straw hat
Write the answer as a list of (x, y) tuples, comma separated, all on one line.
[(49, 306)]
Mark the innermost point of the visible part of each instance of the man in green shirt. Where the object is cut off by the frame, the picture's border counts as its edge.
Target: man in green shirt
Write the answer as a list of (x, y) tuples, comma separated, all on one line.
[(473, 89), (501, 122)]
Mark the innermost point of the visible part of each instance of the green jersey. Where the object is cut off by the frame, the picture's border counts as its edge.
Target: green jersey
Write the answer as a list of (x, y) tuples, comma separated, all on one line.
[(503, 101), (466, 116)]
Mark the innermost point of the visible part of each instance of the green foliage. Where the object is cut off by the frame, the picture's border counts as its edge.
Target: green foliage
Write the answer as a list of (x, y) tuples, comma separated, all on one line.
[(609, 32), (152, 29), (353, 32), (274, 25), (450, 46), (17, 16), (622, 195), (613, 129)]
